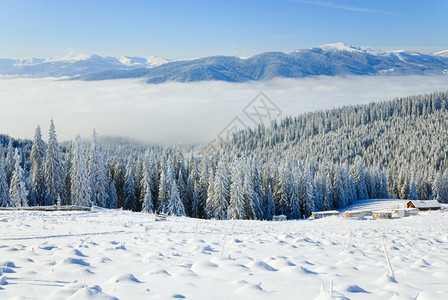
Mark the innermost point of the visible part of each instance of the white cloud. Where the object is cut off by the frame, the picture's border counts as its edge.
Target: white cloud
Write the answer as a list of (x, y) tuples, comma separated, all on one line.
[(179, 112)]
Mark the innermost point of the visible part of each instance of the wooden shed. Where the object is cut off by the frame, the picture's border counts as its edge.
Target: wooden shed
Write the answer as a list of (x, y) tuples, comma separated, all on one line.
[(324, 214), (404, 212), (358, 214), (424, 204), (382, 214)]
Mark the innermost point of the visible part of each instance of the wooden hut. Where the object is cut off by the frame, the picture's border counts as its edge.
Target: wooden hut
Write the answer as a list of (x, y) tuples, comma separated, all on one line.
[(324, 214), (382, 215), (424, 204), (358, 214), (404, 212)]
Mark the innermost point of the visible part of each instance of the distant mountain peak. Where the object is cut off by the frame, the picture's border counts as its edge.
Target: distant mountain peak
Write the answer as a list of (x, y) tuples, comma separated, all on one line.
[(345, 47), (443, 53), (69, 58)]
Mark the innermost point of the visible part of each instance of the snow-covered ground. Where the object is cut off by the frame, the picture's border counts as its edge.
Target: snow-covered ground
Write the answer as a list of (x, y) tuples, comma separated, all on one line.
[(108, 254)]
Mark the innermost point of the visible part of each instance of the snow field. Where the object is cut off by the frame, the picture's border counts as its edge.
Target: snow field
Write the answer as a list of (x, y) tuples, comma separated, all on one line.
[(111, 254)]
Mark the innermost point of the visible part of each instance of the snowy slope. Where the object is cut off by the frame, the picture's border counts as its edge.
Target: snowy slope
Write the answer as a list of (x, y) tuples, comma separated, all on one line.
[(117, 254)]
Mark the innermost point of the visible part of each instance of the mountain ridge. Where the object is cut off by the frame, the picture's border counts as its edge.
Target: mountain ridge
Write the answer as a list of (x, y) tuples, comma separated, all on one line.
[(336, 59)]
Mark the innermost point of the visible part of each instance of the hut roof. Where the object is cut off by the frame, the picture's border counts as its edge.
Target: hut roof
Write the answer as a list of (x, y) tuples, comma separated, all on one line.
[(425, 203)]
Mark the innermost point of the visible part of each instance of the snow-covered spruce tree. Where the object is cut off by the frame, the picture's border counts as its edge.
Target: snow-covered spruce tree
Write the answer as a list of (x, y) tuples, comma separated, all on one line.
[(295, 201), (119, 172), (221, 191), (67, 194), (443, 188), (209, 202), (138, 176), (54, 168), (164, 187), (184, 192), (17, 191), (249, 194), (201, 188), (37, 174), (196, 201), (358, 174), (145, 188), (236, 205), (404, 183), (130, 199), (10, 163), (270, 206), (282, 192), (80, 183), (4, 189), (413, 188), (436, 186), (259, 196), (153, 175), (97, 175), (307, 196), (112, 194), (175, 206)]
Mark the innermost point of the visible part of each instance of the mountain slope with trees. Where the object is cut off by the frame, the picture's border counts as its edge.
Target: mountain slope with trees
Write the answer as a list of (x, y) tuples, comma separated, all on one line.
[(316, 161)]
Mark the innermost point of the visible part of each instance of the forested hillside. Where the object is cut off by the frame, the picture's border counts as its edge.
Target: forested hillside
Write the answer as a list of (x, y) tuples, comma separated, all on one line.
[(315, 161)]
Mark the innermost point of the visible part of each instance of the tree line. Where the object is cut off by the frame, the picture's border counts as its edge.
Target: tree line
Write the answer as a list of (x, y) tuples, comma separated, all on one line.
[(316, 161)]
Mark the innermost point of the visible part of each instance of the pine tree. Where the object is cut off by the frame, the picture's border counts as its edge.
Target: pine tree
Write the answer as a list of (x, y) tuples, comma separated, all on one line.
[(4, 189), (37, 174), (97, 175), (54, 168), (17, 191), (130, 199), (236, 205), (175, 206), (80, 183)]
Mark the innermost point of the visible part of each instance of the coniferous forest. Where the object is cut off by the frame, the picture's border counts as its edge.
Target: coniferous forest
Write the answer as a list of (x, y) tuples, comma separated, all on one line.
[(316, 161)]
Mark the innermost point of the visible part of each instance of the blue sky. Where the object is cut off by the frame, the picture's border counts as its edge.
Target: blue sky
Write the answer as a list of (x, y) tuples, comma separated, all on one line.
[(183, 29)]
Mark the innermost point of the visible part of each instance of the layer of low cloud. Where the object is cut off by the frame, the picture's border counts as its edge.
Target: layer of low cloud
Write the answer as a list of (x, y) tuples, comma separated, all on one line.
[(184, 113)]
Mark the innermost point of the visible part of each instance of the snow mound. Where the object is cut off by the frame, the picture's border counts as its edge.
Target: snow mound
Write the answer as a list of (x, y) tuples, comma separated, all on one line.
[(124, 278), (75, 261), (259, 265), (94, 292), (204, 266)]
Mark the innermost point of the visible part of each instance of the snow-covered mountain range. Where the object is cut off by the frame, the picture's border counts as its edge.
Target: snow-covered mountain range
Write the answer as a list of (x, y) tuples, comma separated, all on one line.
[(330, 60)]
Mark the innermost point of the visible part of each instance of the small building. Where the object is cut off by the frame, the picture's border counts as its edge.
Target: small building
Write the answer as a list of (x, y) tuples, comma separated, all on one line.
[(324, 214), (358, 214), (424, 204), (382, 215), (404, 212)]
